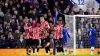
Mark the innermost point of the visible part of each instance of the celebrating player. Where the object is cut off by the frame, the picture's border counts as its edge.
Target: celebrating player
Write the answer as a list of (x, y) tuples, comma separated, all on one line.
[(56, 38), (28, 38), (35, 38), (44, 24), (44, 34), (60, 26)]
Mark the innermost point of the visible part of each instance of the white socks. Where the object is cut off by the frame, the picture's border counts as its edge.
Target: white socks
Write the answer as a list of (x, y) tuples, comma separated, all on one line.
[(47, 54), (66, 51), (48, 44), (36, 53), (92, 50)]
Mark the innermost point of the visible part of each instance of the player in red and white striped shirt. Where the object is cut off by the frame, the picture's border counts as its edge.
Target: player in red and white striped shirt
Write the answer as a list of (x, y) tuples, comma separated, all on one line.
[(28, 37), (43, 25), (60, 37), (56, 37), (45, 31), (27, 30), (36, 36), (56, 32)]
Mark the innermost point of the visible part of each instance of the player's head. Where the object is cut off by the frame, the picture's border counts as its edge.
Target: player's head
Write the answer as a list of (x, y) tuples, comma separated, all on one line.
[(65, 25), (21, 36), (82, 25), (93, 9), (38, 24), (30, 20), (26, 20), (41, 19), (59, 22), (51, 35), (93, 26)]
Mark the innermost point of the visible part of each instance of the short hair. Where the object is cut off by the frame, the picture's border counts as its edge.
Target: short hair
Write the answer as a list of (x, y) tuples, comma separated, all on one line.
[(93, 25), (64, 24)]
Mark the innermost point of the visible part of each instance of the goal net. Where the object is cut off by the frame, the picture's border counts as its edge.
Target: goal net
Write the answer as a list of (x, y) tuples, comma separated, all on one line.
[(82, 25)]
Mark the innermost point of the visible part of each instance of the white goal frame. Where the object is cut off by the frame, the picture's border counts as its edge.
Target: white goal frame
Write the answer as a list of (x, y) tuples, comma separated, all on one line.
[(74, 24)]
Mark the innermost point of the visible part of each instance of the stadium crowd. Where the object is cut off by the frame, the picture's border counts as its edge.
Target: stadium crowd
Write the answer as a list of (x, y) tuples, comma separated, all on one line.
[(13, 13)]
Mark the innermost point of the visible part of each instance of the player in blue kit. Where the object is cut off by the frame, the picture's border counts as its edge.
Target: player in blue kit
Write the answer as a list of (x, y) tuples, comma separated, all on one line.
[(65, 36), (92, 35)]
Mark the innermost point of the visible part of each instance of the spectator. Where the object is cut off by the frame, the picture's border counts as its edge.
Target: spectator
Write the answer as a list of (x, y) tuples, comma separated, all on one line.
[(49, 13), (98, 13), (72, 13), (17, 35), (80, 12), (87, 12), (5, 8), (7, 17), (51, 20), (1, 13), (67, 11), (35, 4), (12, 42), (21, 42), (93, 11), (34, 14), (20, 20), (30, 21), (76, 8), (3, 42), (1, 31), (61, 19), (13, 25), (62, 5)]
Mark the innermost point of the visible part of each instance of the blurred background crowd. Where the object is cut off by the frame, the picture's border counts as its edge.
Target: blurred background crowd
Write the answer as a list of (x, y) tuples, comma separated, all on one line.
[(13, 12)]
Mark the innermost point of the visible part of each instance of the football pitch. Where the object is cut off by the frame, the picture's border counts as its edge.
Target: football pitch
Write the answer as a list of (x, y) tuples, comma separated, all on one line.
[(22, 52), (57, 55)]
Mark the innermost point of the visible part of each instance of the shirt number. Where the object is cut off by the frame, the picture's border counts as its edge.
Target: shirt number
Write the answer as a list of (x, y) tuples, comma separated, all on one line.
[(80, 2)]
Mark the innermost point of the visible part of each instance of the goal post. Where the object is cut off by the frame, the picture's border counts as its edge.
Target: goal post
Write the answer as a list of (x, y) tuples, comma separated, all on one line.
[(82, 23), (69, 20)]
